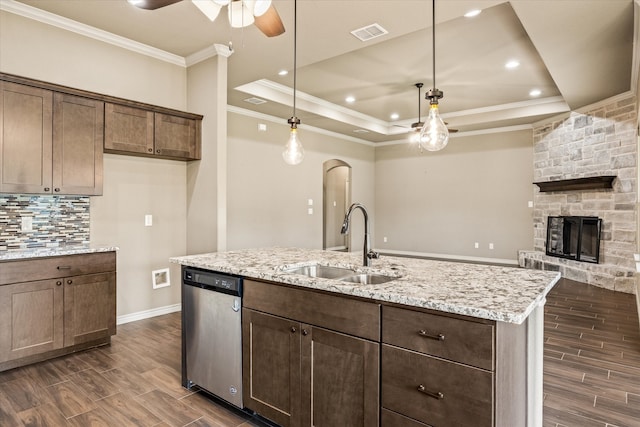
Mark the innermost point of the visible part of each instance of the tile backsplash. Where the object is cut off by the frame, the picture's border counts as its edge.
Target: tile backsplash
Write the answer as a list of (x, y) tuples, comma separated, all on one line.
[(55, 221)]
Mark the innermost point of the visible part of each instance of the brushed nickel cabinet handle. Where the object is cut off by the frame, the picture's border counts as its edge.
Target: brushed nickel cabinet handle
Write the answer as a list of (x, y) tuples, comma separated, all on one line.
[(59, 283), (436, 395), (305, 332), (293, 329), (64, 267), (69, 282), (424, 334)]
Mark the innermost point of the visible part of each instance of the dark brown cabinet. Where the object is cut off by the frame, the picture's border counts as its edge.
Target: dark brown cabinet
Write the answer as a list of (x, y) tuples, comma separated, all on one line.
[(142, 132), (52, 306), (50, 143), (299, 373)]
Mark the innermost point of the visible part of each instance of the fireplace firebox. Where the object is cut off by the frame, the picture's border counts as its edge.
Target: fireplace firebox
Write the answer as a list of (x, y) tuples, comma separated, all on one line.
[(574, 237)]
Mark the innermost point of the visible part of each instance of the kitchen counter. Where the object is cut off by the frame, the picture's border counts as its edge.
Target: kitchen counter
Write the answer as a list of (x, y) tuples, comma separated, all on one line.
[(13, 255), (505, 294)]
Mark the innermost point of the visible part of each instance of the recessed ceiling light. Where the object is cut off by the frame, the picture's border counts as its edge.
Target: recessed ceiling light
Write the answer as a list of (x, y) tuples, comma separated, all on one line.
[(395, 116), (472, 13), (535, 92), (510, 65), (350, 99), (283, 72)]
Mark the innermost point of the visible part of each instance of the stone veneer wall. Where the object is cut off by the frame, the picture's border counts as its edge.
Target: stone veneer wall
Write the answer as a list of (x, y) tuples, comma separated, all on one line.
[(57, 221), (601, 141)]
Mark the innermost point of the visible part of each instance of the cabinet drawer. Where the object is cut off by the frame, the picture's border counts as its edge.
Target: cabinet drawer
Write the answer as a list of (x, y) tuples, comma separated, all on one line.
[(411, 382), (55, 267), (338, 313), (454, 339), (392, 419)]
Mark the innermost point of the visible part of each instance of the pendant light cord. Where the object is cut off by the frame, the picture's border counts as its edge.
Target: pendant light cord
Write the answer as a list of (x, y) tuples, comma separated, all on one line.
[(433, 39), (295, 49)]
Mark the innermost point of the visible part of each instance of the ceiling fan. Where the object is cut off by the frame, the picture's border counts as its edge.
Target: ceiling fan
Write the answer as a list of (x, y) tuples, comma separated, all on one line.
[(241, 13), (416, 127)]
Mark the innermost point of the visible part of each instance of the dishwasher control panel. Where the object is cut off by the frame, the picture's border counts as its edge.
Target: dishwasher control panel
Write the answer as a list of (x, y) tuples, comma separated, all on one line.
[(212, 280)]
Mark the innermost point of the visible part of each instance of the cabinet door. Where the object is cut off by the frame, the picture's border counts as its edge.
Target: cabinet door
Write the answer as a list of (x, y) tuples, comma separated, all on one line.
[(271, 367), (89, 307), (31, 315), (78, 129), (340, 379), (25, 139), (176, 137), (128, 129)]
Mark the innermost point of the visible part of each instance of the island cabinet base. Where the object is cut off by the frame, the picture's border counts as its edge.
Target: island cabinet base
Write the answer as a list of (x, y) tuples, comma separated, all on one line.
[(324, 359), (310, 358)]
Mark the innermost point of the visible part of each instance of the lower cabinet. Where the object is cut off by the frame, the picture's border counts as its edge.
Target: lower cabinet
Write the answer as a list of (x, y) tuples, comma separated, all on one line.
[(299, 374), (46, 318)]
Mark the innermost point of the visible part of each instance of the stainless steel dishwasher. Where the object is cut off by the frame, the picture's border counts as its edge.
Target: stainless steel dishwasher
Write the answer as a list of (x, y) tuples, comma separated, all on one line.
[(212, 333)]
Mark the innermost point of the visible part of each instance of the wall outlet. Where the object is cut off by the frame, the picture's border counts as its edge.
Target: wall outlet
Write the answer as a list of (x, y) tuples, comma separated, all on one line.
[(310, 202), (26, 223), (148, 220), (530, 204), (384, 239), (490, 245), (310, 211), (476, 245)]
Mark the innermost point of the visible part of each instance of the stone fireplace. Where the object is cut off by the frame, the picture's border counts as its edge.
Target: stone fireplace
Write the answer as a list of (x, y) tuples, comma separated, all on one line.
[(584, 150)]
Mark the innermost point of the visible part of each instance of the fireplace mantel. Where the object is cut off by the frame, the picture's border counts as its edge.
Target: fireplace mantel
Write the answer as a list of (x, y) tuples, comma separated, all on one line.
[(588, 183)]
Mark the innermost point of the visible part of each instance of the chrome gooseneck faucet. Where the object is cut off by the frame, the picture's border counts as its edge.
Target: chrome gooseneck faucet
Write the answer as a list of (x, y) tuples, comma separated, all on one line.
[(367, 254)]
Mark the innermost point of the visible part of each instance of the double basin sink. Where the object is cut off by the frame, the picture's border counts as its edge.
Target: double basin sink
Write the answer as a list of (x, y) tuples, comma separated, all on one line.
[(341, 274)]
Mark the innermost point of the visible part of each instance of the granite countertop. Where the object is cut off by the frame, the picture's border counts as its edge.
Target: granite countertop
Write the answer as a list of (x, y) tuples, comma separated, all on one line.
[(506, 294), (18, 254)]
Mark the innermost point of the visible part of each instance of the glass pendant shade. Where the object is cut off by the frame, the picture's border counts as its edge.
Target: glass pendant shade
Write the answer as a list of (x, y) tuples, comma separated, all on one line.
[(293, 153), (434, 135), (240, 15)]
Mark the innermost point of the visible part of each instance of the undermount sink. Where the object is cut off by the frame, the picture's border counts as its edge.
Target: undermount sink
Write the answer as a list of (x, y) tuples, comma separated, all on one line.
[(321, 271), (367, 279), (339, 273)]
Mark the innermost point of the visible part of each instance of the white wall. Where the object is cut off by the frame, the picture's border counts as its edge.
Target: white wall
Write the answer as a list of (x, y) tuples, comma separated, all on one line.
[(441, 203), (267, 199), (133, 186)]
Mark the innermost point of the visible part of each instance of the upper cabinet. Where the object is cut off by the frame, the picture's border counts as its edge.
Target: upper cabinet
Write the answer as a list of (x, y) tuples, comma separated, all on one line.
[(143, 132), (50, 143), (52, 137)]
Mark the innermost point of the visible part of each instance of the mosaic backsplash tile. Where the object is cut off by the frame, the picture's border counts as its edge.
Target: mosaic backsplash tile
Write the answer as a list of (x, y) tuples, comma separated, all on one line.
[(56, 221)]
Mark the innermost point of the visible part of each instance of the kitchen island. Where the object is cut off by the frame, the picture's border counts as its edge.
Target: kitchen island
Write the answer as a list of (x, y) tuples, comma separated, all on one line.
[(470, 337)]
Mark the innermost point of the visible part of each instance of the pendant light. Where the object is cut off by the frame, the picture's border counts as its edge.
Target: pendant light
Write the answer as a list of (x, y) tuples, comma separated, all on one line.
[(293, 152), (434, 135), (416, 128)]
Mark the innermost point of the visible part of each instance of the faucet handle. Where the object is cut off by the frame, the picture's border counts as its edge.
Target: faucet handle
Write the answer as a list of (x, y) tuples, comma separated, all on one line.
[(373, 254)]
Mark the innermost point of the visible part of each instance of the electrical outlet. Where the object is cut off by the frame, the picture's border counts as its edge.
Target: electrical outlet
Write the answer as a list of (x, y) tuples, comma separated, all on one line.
[(384, 239), (490, 245), (310, 211), (26, 223), (476, 245), (148, 220)]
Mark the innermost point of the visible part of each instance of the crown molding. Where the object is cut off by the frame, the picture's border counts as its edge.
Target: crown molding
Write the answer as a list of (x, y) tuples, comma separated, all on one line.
[(281, 121), (491, 131), (209, 52), (48, 18)]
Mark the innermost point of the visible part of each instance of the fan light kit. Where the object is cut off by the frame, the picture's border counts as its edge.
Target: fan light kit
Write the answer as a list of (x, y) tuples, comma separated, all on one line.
[(293, 153), (242, 13), (434, 135)]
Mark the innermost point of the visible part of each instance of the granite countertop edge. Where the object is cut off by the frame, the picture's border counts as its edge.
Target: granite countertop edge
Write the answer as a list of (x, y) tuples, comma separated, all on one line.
[(505, 294), (31, 253)]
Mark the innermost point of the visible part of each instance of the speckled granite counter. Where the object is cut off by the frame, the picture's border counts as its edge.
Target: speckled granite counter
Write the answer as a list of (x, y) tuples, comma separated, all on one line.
[(504, 294), (13, 255)]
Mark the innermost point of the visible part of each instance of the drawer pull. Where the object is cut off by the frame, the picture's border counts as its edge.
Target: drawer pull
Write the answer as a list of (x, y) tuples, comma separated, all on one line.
[(437, 395), (58, 283), (439, 337), (64, 267)]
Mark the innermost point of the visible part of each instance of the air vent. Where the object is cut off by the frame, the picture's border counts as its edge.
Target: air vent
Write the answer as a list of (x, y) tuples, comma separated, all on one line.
[(255, 101), (369, 32)]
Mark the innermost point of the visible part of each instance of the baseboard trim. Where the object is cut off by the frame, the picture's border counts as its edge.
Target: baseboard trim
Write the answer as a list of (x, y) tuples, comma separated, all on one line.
[(445, 257), (146, 314)]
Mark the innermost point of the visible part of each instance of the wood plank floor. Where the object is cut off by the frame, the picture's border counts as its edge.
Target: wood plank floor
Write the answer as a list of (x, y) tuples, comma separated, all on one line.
[(592, 358), (591, 378)]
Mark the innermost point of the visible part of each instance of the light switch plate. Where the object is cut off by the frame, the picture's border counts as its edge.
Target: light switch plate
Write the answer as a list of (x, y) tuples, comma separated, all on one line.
[(148, 220)]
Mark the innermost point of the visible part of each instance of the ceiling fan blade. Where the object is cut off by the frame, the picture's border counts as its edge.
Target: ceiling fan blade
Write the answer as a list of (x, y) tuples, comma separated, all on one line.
[(270, 23), (152, 4)]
